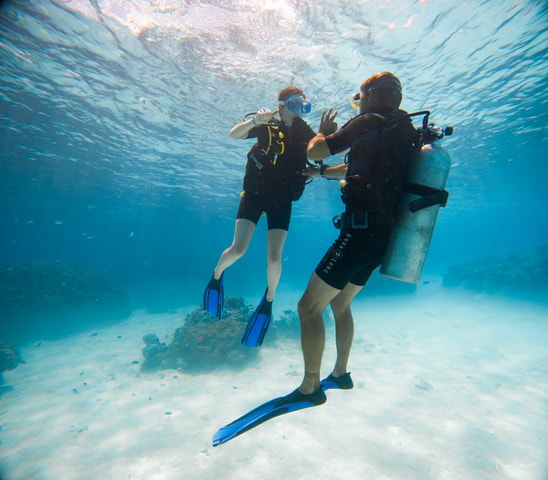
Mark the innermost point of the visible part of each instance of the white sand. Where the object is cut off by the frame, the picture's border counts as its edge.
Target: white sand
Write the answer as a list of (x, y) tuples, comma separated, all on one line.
[(448, 386)]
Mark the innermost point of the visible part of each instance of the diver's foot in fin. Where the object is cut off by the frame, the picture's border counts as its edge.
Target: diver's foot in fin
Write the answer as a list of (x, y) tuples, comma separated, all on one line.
[(267, 411), (258, 323), (344, 382), (214, 297), (317, 398)]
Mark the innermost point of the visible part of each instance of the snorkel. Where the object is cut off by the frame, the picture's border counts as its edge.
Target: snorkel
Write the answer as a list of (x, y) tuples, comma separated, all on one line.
[(249, 114)]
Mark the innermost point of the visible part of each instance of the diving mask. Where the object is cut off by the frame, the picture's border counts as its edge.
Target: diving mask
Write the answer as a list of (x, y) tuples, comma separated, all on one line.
[(296, 104), (391, 83)]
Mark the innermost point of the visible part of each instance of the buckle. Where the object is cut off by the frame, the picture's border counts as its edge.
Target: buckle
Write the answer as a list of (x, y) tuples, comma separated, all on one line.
[(356, 220), (359, 220)]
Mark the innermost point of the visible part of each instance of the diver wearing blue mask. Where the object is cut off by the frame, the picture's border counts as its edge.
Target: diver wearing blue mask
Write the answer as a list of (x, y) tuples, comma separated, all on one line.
[(276, 172), (296, 104)]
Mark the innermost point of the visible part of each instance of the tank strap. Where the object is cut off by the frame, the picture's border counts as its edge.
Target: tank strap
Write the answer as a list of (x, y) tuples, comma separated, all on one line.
[(429, 196)]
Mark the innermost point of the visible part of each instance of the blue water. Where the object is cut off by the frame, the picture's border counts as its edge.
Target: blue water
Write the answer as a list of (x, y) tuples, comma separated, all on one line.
[(114, 120)]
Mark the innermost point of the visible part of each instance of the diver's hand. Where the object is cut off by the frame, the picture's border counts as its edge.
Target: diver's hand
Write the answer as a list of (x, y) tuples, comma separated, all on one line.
[(328, 125), (242, 129), (264, 115)]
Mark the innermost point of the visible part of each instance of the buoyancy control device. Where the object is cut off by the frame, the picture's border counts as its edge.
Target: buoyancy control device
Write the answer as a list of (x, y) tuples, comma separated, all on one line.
[(422, 196)]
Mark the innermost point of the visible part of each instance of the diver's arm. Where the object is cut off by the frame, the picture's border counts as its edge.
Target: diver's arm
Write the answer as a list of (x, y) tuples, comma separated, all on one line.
[(317, 148), (242, 129), (337, 171)]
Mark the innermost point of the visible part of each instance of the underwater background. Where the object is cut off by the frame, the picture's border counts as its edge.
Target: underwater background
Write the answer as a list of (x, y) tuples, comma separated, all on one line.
[(116, 159), (119, 186)]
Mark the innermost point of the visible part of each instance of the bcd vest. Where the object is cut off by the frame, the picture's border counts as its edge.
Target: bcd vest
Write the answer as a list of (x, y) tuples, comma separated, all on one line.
[(276, 162), (380, 164)]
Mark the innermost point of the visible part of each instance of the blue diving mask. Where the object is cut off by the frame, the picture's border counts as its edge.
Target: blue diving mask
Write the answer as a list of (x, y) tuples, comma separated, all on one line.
[(296, 104)]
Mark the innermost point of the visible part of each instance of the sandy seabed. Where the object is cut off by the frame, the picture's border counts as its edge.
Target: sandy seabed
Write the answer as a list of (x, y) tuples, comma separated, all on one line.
[(447, 386)]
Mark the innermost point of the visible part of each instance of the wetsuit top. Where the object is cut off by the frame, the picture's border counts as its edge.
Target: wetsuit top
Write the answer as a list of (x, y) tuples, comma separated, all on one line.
[(381, 144), (276, 162)]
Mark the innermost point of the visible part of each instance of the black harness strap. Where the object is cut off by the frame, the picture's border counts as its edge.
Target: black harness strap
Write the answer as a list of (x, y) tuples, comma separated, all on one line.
[(429, 196)]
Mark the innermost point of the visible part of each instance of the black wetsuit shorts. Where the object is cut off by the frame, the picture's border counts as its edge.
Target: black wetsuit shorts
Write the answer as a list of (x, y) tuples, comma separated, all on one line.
[(277, 209), (353, 257)]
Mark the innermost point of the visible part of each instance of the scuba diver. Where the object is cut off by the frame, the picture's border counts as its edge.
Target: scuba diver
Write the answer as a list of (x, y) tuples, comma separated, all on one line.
[(382, 140), (276, 172), (394, 179), (393, 186)]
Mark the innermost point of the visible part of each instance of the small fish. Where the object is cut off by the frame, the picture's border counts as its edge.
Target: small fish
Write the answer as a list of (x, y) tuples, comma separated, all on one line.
[(58, 222), (131, 234)]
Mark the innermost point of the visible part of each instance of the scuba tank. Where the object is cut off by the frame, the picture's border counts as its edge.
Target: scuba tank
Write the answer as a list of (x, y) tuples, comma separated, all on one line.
[(422, 196)]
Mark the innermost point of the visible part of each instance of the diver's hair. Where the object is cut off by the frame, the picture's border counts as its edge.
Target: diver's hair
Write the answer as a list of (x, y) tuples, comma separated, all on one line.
[(386, 89), (289, 92)]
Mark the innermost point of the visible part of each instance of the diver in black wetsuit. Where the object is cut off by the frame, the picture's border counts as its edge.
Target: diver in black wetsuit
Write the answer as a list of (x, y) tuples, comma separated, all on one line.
[(381, 141), (276, 171)]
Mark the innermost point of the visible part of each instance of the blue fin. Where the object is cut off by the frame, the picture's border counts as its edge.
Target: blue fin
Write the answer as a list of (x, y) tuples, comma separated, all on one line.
[(271, 409), (214, 297), (258, 323)]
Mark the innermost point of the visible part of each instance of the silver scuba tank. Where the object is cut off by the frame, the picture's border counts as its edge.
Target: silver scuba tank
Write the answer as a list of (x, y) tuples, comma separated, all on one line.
[(420, 203)]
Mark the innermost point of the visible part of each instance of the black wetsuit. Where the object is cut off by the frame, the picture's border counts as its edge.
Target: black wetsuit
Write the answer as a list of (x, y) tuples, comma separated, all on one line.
[(274, 172), (380, 149)]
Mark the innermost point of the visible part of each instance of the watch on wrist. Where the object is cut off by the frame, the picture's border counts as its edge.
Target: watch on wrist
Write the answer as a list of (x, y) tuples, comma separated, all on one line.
[(323, 168)]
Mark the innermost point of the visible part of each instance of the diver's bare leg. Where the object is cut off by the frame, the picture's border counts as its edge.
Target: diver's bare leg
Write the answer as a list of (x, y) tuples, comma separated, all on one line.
[(243, 231), (276, 240), (344, 326), (311, 306)]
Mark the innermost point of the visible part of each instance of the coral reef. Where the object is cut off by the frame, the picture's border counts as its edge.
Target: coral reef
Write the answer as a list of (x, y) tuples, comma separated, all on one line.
[(37, 298), (516, 275), (287, 326), (204, 343), (10, 357), (45, 285), (153, 352)]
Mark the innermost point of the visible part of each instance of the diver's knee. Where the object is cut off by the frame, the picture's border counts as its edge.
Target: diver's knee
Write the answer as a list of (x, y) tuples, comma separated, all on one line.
[(273, 258), (339, 308), (306, 308), (238, 250), (302, 307)]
